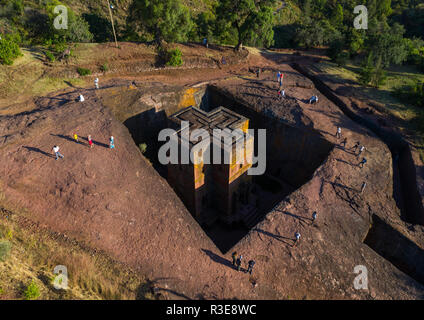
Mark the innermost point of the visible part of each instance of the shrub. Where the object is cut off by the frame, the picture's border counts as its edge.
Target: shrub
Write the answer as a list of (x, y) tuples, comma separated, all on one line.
[(79, 30), (143, 147), (50, 56), (5, 247), (337, 53), (104, 67), (413, 94), (174, 58), (32, 291), (9, 50), (83, 71)]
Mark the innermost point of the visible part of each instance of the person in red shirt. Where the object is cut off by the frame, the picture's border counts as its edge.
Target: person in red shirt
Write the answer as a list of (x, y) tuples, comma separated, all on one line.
[(90, 142)]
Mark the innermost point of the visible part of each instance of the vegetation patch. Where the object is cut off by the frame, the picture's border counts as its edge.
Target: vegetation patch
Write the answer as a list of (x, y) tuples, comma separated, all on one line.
[(9, 50), (5, 247), (174, 58), (28, 271), (32, 291), (83, 71)]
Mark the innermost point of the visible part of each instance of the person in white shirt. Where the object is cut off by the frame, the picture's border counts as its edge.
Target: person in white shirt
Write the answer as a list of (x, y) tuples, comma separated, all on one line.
[(297, 235), (339, 133), (81, 98), (96, 83), (362, 149), (56, 152)]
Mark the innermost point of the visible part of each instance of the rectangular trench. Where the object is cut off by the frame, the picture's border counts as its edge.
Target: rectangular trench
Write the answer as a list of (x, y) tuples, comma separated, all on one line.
[(396, 248)]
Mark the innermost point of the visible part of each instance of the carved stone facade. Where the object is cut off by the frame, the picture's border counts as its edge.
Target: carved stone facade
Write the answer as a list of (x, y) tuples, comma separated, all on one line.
[(213, 191)]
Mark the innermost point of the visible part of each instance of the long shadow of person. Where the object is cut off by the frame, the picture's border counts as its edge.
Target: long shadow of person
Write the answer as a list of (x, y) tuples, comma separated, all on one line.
[(97, 143), (67, 138), (33, 149), (218, 259), (275, 236), (346, 162)]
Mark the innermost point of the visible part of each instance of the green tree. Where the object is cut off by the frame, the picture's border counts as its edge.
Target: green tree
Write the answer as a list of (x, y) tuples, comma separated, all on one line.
[(337, 15), (205, 26), (355, 41), (384, 46), (249, 20), (387, 45), (166, 20), (317, 33), (337, 52), (77, 31), (372, 73)]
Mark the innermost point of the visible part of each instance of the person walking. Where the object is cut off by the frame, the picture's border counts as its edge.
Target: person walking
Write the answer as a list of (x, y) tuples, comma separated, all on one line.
[(81, 98), (339, 133), (278, 76), (362, 163), (234, 256), (238, 262), (57, 153), (90, 141), (76, 137), (112, 142), (281, 93), (281, 79), (314, 216), (297, 235), (361, 150), (314, 99), (96, 83), (364, 185), (251, 263)]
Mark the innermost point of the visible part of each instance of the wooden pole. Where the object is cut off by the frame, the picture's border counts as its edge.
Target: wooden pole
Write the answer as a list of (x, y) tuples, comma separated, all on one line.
[(111, 20)]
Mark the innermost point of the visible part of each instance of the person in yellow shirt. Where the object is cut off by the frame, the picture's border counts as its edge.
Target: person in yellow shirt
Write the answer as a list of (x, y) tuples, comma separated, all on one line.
[(76, 137)]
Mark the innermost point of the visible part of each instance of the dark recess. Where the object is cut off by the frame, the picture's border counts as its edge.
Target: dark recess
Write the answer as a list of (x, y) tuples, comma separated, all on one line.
[(396, 248), (290, 164)]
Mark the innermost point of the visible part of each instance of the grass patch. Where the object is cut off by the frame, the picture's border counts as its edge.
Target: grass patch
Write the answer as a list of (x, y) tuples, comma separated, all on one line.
[(32, 291), (396, 77), (35, 254), (83, 71), (5, 247)]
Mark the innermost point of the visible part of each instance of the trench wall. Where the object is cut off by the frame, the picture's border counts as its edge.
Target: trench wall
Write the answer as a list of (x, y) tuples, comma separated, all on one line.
[(403, 253)]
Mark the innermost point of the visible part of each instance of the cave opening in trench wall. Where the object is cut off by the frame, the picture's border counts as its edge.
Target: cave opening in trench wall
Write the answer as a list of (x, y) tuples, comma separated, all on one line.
[(292, 156)]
